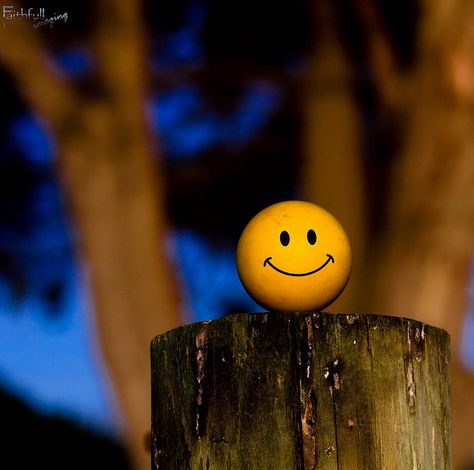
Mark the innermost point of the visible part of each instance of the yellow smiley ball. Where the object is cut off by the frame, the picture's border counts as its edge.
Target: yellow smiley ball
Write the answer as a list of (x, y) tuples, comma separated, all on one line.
[(294, 256)]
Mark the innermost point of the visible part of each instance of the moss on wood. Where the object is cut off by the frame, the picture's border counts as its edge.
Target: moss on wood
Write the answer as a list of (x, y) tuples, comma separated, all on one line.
[(310, 391)]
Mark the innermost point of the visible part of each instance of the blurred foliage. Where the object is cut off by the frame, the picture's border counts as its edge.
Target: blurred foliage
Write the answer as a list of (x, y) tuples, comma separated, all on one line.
[(230, 141), (34, 240)]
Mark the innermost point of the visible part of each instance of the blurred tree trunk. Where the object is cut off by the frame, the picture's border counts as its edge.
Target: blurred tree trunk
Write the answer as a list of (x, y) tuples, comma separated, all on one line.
[(332, 173), (113, 186), (420, 263), (430, 236), (424, 259)]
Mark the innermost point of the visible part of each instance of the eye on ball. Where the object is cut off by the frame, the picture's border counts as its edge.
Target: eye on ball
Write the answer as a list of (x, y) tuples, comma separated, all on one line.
[(294, 256)]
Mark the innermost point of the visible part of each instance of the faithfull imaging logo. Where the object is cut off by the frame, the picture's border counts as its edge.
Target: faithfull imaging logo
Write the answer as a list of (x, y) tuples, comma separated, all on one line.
[(37, 16)]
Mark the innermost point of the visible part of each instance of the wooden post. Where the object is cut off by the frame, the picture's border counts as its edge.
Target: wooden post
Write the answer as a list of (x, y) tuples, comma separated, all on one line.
[(310, 391)]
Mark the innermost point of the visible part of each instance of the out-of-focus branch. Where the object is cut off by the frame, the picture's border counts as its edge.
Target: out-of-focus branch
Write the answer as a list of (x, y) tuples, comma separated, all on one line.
[(23, 55), (332, 171), (119, 41), (387, 78), (117, 196)]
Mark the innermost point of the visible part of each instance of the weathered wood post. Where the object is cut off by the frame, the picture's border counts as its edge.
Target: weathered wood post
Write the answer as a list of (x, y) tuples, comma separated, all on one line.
[(310, 391)]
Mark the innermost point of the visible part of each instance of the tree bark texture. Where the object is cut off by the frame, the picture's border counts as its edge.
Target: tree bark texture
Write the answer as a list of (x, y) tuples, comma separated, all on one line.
[(302, 390)]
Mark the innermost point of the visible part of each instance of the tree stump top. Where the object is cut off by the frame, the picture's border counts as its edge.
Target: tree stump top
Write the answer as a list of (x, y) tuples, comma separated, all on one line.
[(301, 390)]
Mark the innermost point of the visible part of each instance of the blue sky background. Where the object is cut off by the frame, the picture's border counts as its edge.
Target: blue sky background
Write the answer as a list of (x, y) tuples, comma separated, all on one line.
[(55, 364)]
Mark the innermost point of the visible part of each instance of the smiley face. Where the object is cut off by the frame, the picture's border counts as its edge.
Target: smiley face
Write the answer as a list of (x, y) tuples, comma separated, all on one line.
[(294, 256)]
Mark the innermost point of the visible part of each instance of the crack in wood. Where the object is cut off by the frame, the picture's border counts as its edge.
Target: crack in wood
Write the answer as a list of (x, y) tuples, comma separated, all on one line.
[(334, 409), (309, 345), (411, 386), (352, 318), (332, 374), (308, 425), (201, 358), (156, 453), (296, 362), (410, 374), (308, 418)]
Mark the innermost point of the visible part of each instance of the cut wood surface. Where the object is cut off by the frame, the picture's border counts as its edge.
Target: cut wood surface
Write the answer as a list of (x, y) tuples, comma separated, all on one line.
[(303, 391)]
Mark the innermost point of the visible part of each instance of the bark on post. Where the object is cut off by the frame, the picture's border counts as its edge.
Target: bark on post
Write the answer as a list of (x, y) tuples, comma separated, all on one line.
[(303, 390)]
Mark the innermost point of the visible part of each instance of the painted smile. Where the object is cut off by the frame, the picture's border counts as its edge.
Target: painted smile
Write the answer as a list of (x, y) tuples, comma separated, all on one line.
[(286, 273)]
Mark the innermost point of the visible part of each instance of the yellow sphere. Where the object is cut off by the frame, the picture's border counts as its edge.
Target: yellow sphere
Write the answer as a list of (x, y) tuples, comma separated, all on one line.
[(294, 256)]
